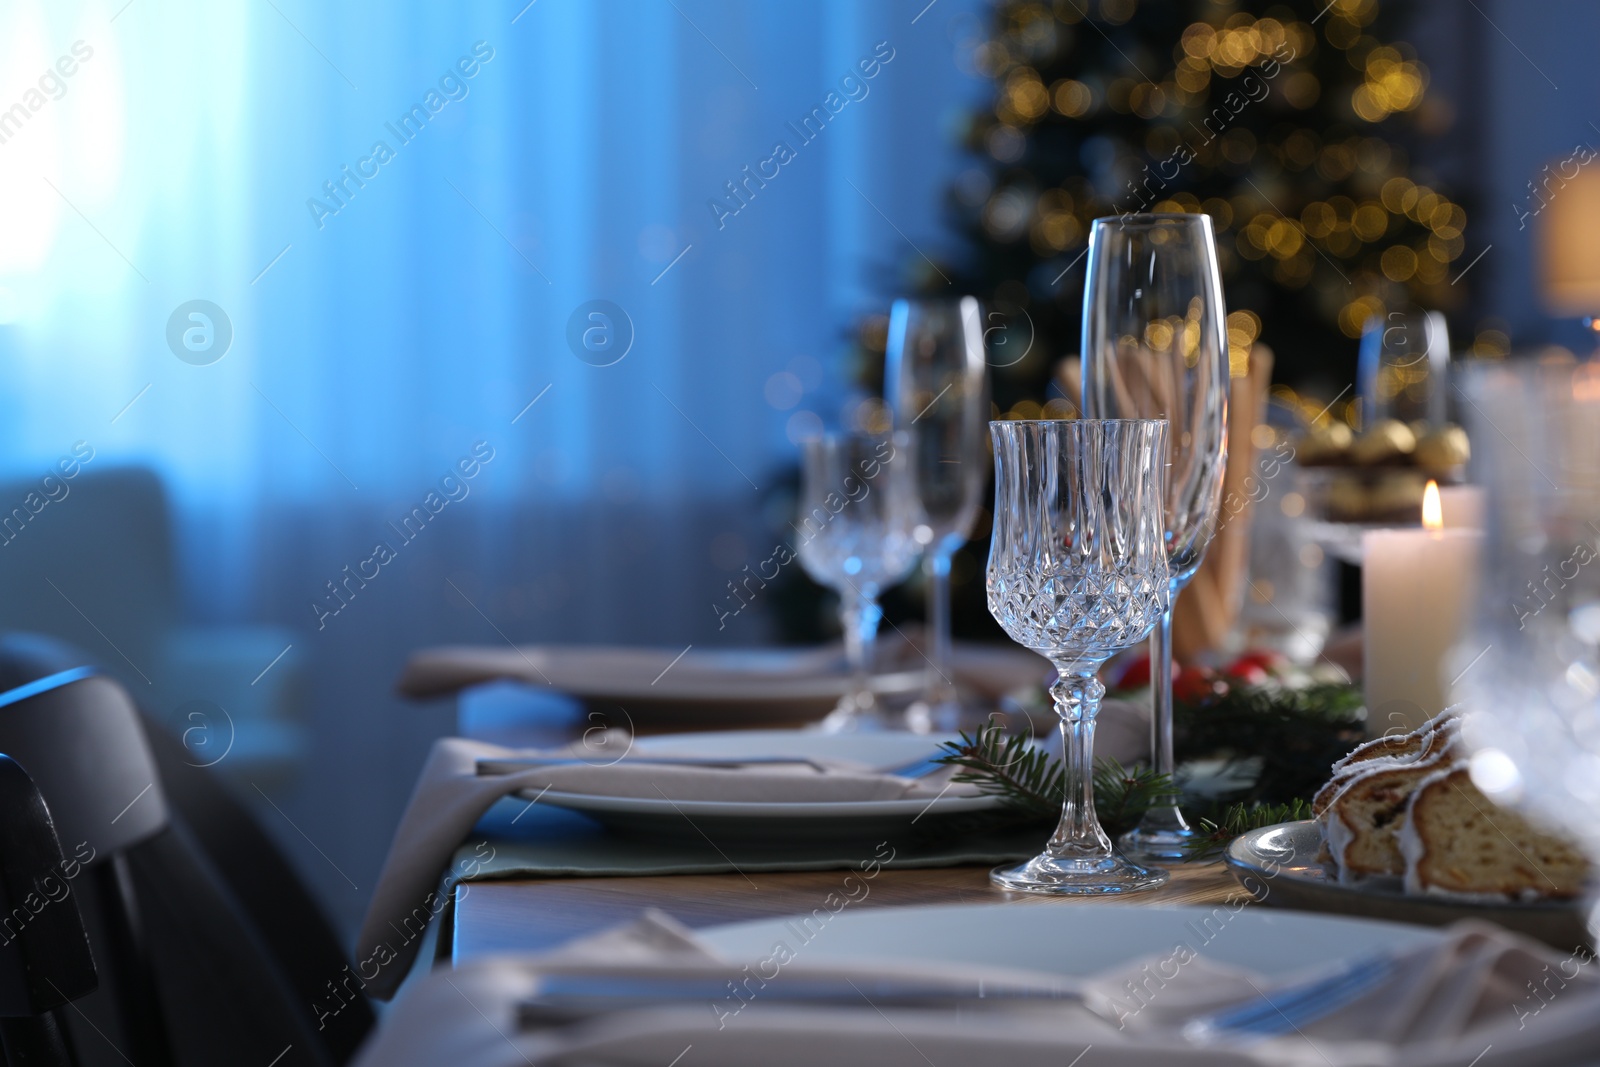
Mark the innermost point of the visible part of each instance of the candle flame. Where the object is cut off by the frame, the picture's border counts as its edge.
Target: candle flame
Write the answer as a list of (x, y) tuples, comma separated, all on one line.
[(1432, 512)]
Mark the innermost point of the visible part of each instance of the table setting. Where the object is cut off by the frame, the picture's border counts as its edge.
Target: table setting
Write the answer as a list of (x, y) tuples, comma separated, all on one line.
[(694, 533), (1320, 852)]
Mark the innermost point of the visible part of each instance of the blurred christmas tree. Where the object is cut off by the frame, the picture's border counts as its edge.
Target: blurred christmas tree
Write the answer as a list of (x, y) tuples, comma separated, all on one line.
[(1292, 124)]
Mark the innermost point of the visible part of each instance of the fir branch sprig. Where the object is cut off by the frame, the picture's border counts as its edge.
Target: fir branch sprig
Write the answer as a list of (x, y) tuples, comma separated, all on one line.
[(1123, 794), (1213, 836), (1031, 781), (1008, 766), (1295, 734)]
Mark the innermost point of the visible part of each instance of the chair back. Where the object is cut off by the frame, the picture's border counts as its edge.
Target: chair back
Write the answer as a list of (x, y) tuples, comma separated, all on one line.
[(45, 962), (44, 949), (210, 948), (78, 734)]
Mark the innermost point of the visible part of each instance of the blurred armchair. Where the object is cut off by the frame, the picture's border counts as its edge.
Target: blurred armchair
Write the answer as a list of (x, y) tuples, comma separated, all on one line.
[(90, 559)]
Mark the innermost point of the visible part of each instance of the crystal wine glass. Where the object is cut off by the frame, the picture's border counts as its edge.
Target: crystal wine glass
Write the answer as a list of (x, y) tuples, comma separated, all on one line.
[(1077, 572), (1155, 346), (856, 535), (937, 386)]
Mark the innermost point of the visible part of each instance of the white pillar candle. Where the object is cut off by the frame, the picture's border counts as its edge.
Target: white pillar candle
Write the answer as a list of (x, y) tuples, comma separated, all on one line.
[(1416, 590), (1461, 507)]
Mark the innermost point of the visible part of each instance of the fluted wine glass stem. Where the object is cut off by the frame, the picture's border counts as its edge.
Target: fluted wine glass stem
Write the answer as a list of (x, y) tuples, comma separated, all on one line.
[(1161, 720), (1077, 697), (941, 685), (1162, 831), (860, 616)]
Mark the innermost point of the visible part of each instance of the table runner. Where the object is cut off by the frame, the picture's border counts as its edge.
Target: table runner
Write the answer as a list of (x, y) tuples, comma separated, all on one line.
[(517, 839)]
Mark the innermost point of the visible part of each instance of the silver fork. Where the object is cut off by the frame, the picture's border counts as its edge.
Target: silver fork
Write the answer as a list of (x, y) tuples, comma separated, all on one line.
[(1292, 1007)]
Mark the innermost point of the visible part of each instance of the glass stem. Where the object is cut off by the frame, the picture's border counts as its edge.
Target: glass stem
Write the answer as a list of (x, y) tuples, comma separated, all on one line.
[(1161, 717), (1077, 695), (860, 616), (941, 686), (1164, 817)]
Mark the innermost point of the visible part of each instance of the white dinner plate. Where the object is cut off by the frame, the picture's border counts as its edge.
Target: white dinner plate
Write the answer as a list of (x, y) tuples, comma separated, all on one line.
[(1077, 940), (746, 820)]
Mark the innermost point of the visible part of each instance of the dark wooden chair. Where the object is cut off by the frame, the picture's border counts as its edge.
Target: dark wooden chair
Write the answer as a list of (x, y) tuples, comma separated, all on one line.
[(191, 975), (45, 962)]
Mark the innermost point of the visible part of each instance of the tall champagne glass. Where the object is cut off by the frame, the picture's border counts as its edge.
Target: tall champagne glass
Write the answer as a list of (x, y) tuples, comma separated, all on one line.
[(1078, 572), (937, 386), (1155, 346), (856, 536), (1405, 367)]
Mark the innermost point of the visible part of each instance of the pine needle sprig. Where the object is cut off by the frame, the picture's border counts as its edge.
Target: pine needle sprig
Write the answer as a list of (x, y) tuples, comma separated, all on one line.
[(1008, 766), (1213, 836), (1287, 738), (1293, 735), (1123, 794), (1031, 781)]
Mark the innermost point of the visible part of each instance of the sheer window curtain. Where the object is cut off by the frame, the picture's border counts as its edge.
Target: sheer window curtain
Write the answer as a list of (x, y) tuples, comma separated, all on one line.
[(399, 208)]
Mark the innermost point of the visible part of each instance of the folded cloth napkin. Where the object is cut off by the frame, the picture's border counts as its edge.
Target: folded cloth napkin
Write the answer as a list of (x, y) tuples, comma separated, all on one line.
[(448, 668), (453, 793), (1459, 1001), (988, 670)]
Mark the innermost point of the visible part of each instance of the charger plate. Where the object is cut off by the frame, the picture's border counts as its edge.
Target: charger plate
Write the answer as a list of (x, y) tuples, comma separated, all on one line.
[(1279, 866)]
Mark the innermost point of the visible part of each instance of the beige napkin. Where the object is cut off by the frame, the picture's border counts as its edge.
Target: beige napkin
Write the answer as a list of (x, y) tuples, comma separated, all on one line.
[(1462, 1001), (451, 796), (446, 669), (988, 670)]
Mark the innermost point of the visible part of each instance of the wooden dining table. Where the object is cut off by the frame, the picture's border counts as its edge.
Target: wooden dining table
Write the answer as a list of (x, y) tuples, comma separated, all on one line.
[(514, 915)]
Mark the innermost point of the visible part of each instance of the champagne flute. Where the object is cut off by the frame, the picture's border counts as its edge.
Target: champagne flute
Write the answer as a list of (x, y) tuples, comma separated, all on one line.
[(936, 384), (1078, 572), (1405, 363), (856, 535), (1155, 346)]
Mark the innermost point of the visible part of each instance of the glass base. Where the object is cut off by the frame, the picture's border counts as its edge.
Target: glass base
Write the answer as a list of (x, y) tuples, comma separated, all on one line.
[(1090, 876), (1161, 836)]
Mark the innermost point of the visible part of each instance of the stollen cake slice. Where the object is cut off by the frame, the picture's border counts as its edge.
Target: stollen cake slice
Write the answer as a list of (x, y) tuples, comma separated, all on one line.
[(1390, 750), (1360, 822), (1457, 842)]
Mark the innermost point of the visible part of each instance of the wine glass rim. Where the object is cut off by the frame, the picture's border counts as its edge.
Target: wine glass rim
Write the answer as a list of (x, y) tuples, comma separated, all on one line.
[(1074, 422), (1154, 218), (950, 301)]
